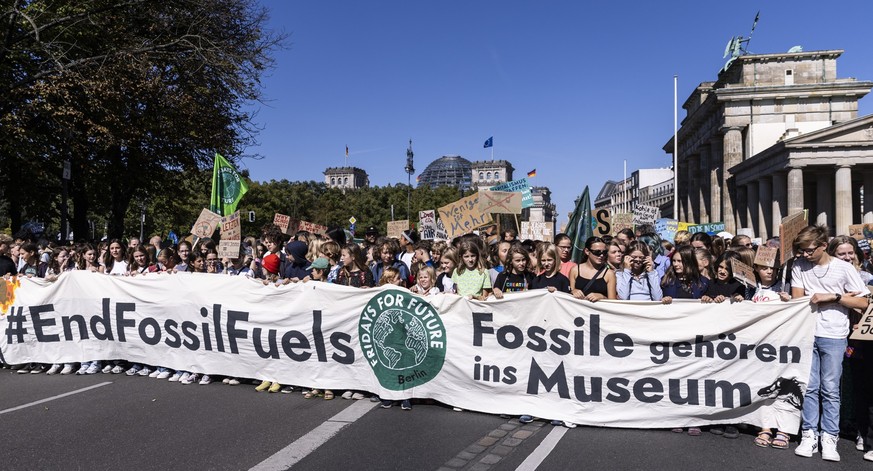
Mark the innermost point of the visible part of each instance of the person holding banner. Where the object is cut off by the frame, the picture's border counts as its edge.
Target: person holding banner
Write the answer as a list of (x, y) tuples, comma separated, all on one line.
[(592, 279), (846, 249), (565, 249), (448, 263), (835, 288), (387, 252), (516, 277), (115, 261), (724, 287), (638, 281), (184, 253), (683, 280), (87, 259), (471, 277), (551, 277), (354, 271)]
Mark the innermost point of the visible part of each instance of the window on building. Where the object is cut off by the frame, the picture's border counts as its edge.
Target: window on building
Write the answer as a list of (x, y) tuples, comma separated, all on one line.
[(481, 175), (489, 175), (346, 181), (333, 181), (497, 175)]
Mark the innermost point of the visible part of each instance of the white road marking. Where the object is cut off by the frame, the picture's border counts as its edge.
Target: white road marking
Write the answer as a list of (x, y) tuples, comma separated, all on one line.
[(31, 404), (535, 459), (303, 446)]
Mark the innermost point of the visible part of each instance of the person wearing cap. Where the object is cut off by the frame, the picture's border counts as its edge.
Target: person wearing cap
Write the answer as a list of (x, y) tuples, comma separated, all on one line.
[(318, 270), (370, 237)]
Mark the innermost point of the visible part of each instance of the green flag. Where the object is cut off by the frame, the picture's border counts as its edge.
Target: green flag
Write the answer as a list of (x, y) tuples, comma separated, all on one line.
[(579, 226), (228, 187)]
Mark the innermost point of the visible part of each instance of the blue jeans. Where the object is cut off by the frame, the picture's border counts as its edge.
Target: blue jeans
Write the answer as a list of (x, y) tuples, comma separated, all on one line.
[(824, 386)]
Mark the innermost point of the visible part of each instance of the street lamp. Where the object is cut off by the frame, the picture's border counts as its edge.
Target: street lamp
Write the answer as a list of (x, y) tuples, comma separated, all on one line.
[(409, 171)]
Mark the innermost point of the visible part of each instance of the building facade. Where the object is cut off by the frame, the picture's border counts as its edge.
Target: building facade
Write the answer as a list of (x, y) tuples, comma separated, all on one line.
[(488, 173), (448, 170), (762, 115), (346, 178), (623, 196)]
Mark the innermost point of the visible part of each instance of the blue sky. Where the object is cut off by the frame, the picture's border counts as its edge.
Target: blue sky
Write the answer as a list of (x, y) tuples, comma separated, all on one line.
[(567, 87)]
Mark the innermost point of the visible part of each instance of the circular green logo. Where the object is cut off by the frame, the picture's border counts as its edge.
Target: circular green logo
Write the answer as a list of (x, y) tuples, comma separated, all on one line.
[(230, 185), (403, 339)]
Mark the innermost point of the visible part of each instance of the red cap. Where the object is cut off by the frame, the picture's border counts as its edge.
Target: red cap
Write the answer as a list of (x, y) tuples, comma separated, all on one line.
[(271, 263)]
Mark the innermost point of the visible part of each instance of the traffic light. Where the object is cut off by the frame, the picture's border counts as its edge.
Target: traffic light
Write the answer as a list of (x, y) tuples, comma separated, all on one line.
[(251, 216)]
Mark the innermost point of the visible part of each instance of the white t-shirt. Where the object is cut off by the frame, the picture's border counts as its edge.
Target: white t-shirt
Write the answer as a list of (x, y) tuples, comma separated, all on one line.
[(835, 277), (118, 268)]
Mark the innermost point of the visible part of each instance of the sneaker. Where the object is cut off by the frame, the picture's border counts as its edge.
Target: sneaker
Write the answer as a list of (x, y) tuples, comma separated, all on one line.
[(808, 444), (233, 382), (93, 369), (225, 381), (133, 370), (205, 380), (386, 404), (263, 386), (287, 390), (275, 387), (375, 399), (405, 404), (37, 368), (869, 455), (569, 425), (358, 396), (54, 369), (731, 432), (859, 443), (117, 369), (829, 447), (144, 372), (68, 369), (107, 369), (184, 376), (457, 409), (192, 378), (155, 374), (557, 423), (26, 369), (526, 419), (177, 376), (347, 395), (165, 374), (82, 369)]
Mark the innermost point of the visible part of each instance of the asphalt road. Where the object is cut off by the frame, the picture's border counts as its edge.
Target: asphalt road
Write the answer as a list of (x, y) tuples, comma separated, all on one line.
[(118, 422)]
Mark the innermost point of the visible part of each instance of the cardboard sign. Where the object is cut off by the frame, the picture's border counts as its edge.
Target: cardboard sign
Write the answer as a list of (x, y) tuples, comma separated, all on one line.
[(298, 225), (228, 248), (427, 224), (743, 273), (710, 228), (282, 221), (230, 227), (463, 216), (544, 231), (602, 223), (499, 202), (206, 224), (522, 186), (396, 228), (645, 214), (666, 228), (766, 256), (622, 221), (441, 233), (788, 230), (861, 231), (865, 325)]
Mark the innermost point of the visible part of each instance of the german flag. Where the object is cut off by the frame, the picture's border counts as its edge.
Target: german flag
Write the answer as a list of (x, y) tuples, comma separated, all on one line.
[(532, 173)]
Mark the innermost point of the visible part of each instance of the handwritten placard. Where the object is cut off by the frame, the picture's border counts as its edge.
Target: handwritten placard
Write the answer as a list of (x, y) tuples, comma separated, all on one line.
[(666, 228), (282, 221), (230, 227), (396, 228), (228, 248), (206, 224), (622, 221), (645, 214), (463, 216), (298, 225), (788, 230), (427, 224), (521, 185), (499, 202), (743, 273), (544, 231), (861, 231), (766, 256)]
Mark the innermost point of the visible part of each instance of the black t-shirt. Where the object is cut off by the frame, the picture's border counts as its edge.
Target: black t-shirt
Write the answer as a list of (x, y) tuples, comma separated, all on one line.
[(512, 282), (727, 290), (7, 266), (559, 281)]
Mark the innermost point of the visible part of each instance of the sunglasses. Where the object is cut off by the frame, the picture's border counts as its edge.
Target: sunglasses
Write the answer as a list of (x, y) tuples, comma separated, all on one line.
[(597, 253)]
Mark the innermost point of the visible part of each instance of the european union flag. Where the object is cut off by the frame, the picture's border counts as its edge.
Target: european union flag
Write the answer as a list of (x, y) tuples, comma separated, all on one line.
[(489, 142), (172, 237)]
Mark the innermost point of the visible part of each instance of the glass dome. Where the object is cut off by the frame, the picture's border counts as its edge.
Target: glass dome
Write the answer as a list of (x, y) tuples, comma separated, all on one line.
[(448, 170)]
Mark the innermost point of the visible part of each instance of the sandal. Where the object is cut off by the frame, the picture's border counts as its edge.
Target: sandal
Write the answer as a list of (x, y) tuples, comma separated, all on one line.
[(328, 395), (781, 441), (764, 439), (311, 394)]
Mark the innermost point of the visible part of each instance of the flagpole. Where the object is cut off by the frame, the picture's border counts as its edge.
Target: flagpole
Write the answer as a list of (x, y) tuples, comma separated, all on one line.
[(676, 147)]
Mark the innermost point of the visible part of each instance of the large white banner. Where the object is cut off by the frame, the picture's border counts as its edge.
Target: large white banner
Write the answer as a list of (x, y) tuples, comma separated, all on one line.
[(617, 364)]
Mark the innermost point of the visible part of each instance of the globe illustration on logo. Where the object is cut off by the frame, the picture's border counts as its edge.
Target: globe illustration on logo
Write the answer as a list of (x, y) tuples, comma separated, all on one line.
[(400, 340), (230, 185)]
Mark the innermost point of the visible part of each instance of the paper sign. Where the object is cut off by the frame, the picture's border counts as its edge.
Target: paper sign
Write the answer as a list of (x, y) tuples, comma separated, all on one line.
[(711, 228), (666, 228), (645, 214), (864, 245), (861, 231), (743, 272), (602, 223), (788, 230), (228, 248), (682, 226), (206, 224), (298, 225), (865, 325), (396, 228), (622, 221), (544, 231), (463, 216), (427, 224), (282, 221), (766, 256), (441, 233), (230, 227), (521, 185), (501, 202)]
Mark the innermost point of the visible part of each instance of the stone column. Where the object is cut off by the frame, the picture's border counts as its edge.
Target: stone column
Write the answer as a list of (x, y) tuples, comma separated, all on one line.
[(715, 179), (824, 199), (733, 154), (703, 185), (795, 191), (752, 207), (779, 202), (868, 197), (742, 199), (765, 207), (692, 167), (843, 194)]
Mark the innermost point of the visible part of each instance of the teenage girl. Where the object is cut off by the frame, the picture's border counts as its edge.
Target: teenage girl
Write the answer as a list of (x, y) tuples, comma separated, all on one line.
[(88, 259), (639, 280), (140, 263), (184, 253), (724, 287), (683, 280), (115, 260), (551, 277), (425, 282), (515, 277), (593, 280), (448, 263), (354, 271), (471, 278)]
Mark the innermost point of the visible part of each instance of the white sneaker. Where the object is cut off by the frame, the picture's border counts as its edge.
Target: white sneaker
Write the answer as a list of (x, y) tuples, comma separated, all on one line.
[(117, 369), (54, 369), (176, 377), (82, 369), (205, 380), (225, 380), (144, 372), (192, 378), (808, 444), (347, 395), (859, 442), (869, 455), (829, 447), (233, 382), (68, 369), (132, 371), (357, 396), (93, 369), (156, 373), (107, 369)]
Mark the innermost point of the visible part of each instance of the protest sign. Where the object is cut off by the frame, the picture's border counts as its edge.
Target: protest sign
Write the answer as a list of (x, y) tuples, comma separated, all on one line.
[(499, 202), (622, 221), (666, 228), (396, 228), (298, 225), (544, 231), (625, 364), (283, 221), (709, 228), (521, 185), (463, 216), (743, 273), (602, 222), (645, 214), (682, 226), (228, 248), (230, 227), (206, 224), (788, 230), (861, 231), (441, 233), (427, 224), (766, 256)]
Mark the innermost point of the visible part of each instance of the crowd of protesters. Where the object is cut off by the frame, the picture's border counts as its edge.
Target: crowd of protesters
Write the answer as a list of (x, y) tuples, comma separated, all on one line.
[(639, 266)]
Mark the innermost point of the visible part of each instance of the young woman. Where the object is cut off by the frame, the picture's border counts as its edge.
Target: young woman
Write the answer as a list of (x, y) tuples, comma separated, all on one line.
[(683, 280), (88, 259), (551, 277), (640, 280), (592, 280), (167, 260), (515, 277), (704, 263), (615, 256), (724, 286), (448, 263), (184, 253), (140, 262), (115, 260), (354, 271), (471, 278), (32, 267)]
